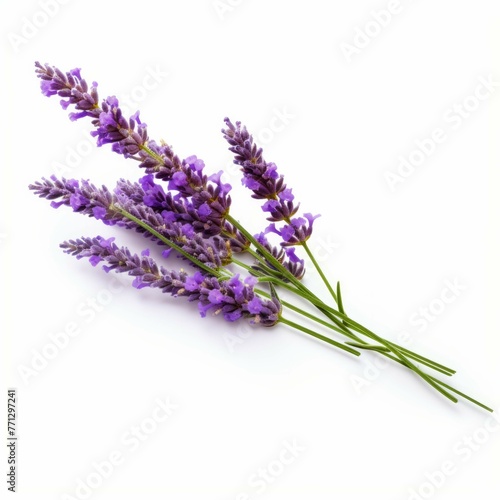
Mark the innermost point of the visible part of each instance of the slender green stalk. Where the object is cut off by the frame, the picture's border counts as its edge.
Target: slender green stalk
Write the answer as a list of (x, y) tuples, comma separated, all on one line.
[(399, 357), (310, 296), (319, 336), (168, 242), (268, 256), (243, 265), (468, 398), (361, 344), (320, 271), (387, 348)]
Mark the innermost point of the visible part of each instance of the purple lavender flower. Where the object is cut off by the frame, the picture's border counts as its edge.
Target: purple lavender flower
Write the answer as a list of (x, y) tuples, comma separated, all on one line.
[(201, 201), (72, 88), (205, 209), (207, 197), (296, 232), (105, 205), (153, 195), (180, 209), (285, 256), (263, 179), (83, 197), (129, 137), (233, 298)]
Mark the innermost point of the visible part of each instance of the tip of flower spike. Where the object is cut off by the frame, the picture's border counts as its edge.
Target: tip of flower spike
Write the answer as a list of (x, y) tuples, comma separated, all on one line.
[(76, 72), (227, 121), (311, 218)]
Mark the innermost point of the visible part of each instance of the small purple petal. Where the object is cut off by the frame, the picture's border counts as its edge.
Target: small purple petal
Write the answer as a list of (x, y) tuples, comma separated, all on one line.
[(311, 218), (76, 72), (195, 164), (287, 232), (46, 86), (286, 195), (138, 283), (168, 216), (251, 281), (255, 306), (136, 118), (75, 116), (188, 231), (261, 238), (298, 221), (290, 251), (272, 229), (106, 243), (95, 259), (77, 201), (147, 182), (179, 180), (99, 212), (271, 171), (203, 308), (215, 296), (233, 316), (250, 183), (225, 188), (270, 205), (193, 282), (204, 210)]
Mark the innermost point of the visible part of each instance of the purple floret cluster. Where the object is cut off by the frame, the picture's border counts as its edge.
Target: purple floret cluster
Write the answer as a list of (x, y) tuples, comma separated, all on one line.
[(233, 298), (263, 180), (205, 198), (177, 205)]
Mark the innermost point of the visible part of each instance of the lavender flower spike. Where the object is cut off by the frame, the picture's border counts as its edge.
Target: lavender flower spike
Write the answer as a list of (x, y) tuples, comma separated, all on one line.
[(72, 88), (263, 179), (232, 298), (102, 204), (208, 195)]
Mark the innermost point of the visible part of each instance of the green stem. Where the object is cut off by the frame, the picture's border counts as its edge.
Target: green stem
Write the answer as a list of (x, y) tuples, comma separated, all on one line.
[(243, 265), (151, 153), (389, 346), (306, 293), (303, 291), (267, 255), (361, 344), (472, 400), (319, 336), (320, 271), (168, 242)]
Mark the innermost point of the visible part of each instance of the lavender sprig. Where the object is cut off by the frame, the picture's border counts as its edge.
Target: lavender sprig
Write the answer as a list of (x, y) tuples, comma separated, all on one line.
[(102, 204), (233, 298), (203, 202), (193, 219), (72, 88), (286, 257), (263, 180), (208, 195)]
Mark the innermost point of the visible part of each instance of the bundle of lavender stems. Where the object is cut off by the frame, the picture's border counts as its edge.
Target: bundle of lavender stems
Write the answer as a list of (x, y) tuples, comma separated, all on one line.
[(175, 204)]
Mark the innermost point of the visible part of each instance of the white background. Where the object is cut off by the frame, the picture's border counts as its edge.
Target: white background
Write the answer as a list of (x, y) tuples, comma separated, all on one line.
[(241, 393)]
